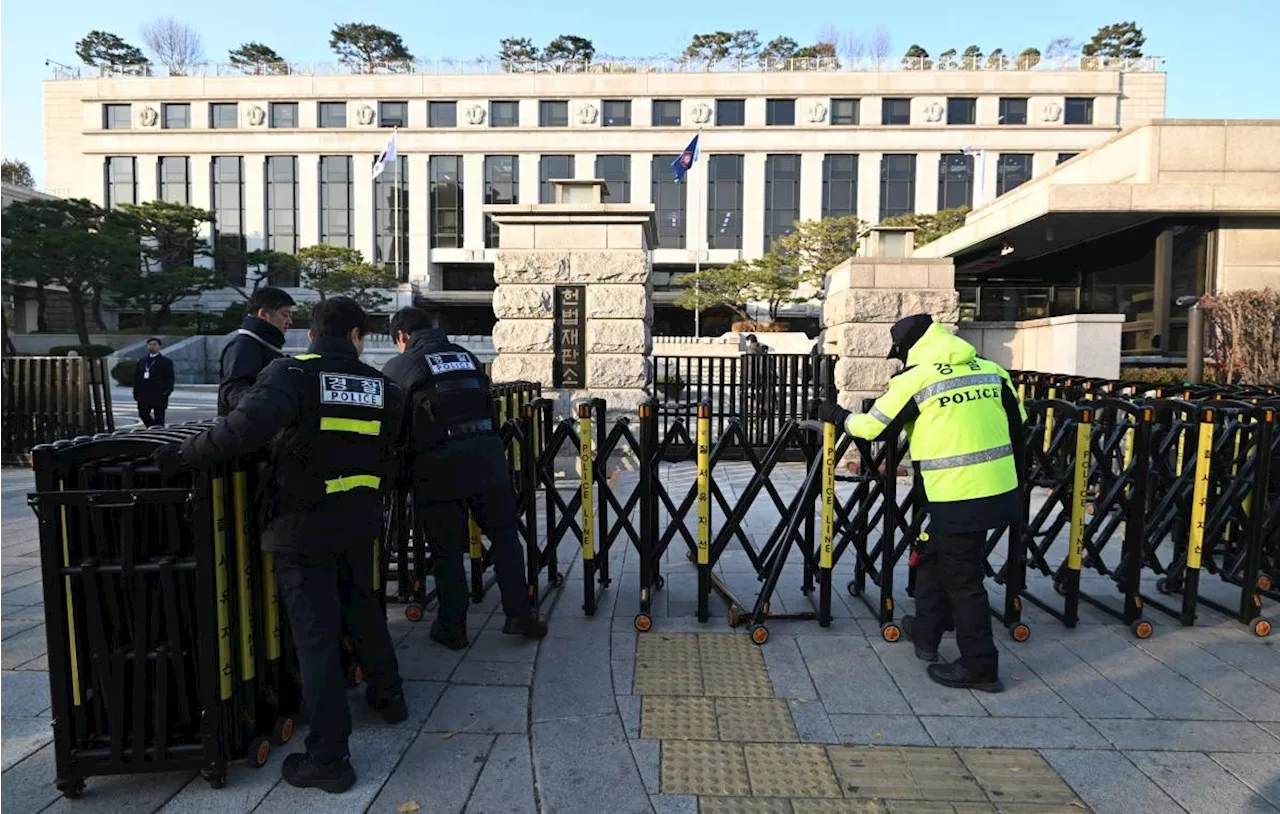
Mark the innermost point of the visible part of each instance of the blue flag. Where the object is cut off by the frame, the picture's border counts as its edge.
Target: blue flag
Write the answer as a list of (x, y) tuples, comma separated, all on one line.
[(682, 164)]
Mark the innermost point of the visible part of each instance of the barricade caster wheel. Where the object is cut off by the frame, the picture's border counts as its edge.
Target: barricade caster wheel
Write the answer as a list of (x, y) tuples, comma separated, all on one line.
[(71, 788), (282, 730), (1163, 586), (1264, 582), (414, 612), (759, 634), (557, 580), (643, 622), (852, 588), (1261, 628), (659, 583), (355, 675), (215, 781), (1020, 632), (890, 632), (1143, 629), (259, 752), (1059, 588)]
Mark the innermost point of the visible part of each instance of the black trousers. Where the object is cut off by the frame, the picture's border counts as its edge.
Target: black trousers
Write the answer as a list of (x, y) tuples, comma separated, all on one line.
[(444, 524), (151, 410), (322, 591), (951, 591)]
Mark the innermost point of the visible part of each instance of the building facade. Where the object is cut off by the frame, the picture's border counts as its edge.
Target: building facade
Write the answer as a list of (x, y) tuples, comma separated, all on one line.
[(284, 161)]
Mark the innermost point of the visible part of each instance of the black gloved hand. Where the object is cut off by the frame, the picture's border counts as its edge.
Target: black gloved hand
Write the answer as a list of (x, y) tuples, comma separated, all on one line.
[(833, 413), (168, 459)]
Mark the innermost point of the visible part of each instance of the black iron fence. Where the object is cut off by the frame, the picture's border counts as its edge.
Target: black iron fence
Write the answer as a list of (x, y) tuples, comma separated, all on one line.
[(47, 398)]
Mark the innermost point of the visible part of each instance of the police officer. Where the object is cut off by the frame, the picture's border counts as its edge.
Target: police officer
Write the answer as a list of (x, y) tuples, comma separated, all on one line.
[(459, 465), (332, 422), (963, 420), (254, 345)]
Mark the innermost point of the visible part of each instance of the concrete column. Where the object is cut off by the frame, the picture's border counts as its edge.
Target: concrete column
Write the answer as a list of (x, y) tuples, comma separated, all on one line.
[(255, 202), (419, 218), (202, 197), (811, 186), (869, 183), (927, 181), (528, 174), (146, 181), (362, 206), (752, 204), (545, 247), (473, 201), (308, 200)]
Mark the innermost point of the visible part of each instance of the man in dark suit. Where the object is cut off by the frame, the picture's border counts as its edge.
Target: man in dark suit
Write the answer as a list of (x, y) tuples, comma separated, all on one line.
[(153, 384)]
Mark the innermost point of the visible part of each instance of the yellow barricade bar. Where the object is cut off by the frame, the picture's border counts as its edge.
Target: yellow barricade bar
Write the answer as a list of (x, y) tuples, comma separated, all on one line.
[(244, 597), (828, 495), (585, 463), (71, 609), (473, 537), (704, 484), (1200, 494), (220, 588), (1079, 490)]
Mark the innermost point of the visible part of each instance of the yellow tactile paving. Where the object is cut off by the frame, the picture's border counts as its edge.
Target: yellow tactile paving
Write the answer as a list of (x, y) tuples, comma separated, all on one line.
[(755, 720), (743, 805), (1017, 776), (790, 770), (674, 718), (704, 768), (833, 806), (904, 773)]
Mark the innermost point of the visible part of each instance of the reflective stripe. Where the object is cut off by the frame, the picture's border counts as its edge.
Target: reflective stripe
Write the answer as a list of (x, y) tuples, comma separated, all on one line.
[(355, 425), (967, 459), (955, 384), (346, 484), (881, 417), (304, 357)]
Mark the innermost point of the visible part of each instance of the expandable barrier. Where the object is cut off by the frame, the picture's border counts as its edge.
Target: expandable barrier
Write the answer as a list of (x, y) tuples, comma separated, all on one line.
[(143, 678)]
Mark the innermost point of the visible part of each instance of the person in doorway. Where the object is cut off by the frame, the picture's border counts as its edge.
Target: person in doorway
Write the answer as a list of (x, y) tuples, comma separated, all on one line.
[(458, 465), (256, 343), (963, 421), (333, 424), (153, 380)]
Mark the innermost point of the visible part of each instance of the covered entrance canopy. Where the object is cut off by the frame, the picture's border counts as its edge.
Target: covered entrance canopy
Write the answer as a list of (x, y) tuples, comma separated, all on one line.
[(1162, 210)]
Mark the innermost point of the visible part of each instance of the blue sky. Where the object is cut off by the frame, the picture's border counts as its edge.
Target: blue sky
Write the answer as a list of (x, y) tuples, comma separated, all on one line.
[(1221, 55)]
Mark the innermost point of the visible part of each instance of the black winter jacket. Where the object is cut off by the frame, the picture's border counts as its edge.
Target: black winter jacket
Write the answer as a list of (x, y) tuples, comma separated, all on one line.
[(273, 404), (153, 379), (459, 467), (257, 343)]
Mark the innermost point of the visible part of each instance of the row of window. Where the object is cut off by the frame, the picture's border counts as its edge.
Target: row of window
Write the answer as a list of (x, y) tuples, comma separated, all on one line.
[(392, 202), (614, 113)]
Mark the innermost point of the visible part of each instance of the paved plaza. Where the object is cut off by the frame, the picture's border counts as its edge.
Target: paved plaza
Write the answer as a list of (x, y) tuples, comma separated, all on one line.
[(690, 717)]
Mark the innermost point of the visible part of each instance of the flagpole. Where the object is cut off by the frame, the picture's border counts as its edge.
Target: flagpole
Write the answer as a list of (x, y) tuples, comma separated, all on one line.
[(697, 253), (395, 203)]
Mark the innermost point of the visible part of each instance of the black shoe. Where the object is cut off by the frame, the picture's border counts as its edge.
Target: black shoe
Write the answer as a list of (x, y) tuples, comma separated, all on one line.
[(302, 771), (393, 709), (531, 626), (921, 652), (957, 675), (453, 637)]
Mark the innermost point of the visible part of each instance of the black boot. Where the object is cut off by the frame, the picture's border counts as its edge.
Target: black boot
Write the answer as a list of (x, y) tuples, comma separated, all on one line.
[(393, 709), (453, 637), (921, 652), (957, 675), (531, 626), (302, 771)]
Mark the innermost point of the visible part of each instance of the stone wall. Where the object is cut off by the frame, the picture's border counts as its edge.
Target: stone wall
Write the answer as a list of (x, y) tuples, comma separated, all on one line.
[(864, 297)]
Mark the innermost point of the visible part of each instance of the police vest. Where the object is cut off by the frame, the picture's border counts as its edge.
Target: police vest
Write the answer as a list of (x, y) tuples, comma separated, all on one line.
[(452, 399), (960, 440), (341, 444)]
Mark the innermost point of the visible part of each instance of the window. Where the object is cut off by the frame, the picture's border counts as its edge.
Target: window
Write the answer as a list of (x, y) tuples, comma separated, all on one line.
[(227, 186), (845, 111), (173, 179), (175, 116), (669, 202), (666, 112), (780, 112), (331, 114), (615, 171), (446, 201), (549, 167), (284, 114), (1013, 111), (335, 200), (553, 114), (224, 115), (442, 114), (895, 111), (1078, 110), (1063, 157), (282, 208), (504, 114), (117, 117), (469, 277), (391, 219), (962, 111), (781, 196), (1012, 171), (121, 181), (724, 202), (731, 112), (839, 185), (616, 113), (393, 114), (501, 186), (955, 180), (897, 184)]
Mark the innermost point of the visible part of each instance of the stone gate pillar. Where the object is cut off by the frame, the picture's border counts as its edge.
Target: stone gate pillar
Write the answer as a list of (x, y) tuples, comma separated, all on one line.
[(865, 295), (574, 298)]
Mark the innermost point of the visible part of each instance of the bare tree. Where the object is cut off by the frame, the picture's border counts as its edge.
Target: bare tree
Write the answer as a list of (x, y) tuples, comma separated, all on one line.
[(854, 46), (828, 34), (881, 44), (175, 45)]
